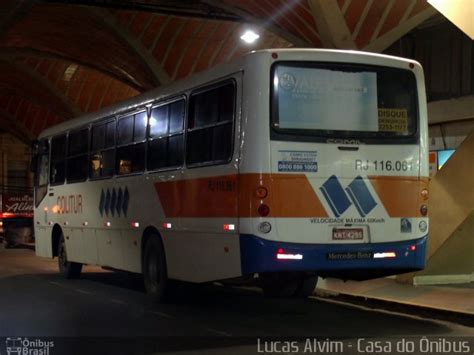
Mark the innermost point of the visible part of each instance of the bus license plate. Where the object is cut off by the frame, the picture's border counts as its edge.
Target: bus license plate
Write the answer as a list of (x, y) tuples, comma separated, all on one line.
[(347, 234)]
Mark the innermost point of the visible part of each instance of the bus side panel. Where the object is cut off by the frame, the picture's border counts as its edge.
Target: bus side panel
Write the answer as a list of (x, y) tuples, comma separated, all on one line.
[(202, 257), (43, 242), (206, 247)]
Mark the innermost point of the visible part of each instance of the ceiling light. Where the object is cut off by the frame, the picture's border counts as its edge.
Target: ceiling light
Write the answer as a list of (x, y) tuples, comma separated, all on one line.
[(249, 36)]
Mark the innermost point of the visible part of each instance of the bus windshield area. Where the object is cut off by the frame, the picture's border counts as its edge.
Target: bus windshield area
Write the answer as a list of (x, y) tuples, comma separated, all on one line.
[(343, 100)]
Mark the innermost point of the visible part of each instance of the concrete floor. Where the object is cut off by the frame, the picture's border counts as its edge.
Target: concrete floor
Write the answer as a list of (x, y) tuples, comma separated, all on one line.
[(108, 309)]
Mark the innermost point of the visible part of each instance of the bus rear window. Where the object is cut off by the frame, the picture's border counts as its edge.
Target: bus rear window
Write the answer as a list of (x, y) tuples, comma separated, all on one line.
[(343, 100)]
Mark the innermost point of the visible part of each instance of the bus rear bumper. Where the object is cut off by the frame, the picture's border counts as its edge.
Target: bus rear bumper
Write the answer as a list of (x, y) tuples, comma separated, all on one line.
[(347, 261)]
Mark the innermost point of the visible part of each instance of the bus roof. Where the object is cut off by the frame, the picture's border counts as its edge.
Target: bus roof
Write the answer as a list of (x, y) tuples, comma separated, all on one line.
[(179, 86)]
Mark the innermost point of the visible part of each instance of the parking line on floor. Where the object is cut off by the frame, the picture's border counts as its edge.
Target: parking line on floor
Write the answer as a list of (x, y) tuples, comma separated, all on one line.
[(218, 332), (161, 314), (83, 291)]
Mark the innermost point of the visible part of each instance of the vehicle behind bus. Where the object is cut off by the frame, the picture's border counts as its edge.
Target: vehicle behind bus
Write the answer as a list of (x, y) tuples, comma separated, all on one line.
[(280, 167)]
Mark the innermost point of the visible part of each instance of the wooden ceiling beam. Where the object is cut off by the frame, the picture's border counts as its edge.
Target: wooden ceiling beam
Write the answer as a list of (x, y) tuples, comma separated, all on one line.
[(331, 24)]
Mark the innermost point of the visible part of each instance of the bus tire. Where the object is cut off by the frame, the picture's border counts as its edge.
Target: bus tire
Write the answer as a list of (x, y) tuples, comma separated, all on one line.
[(69, 269), (306, 286), (279, 284), (155, 275)]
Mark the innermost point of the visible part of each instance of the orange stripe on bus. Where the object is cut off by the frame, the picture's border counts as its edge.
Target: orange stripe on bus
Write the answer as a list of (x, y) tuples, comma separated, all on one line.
[(204, 197), (290, 195), (400, 195)]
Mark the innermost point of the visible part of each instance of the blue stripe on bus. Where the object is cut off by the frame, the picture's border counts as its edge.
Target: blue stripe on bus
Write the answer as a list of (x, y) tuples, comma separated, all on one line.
[(335, 195), (360, 195), (259, 255)]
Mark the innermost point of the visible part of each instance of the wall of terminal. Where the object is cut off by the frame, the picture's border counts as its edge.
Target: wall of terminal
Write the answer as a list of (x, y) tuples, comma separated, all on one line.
[(15, 157), (447, 57), (449, 135)]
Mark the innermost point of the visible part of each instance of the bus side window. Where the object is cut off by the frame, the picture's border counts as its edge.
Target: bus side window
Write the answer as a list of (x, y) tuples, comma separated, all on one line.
[(57, 173), (165, 146), (102, 159), (77, 155), (210, 126), (131, 143)]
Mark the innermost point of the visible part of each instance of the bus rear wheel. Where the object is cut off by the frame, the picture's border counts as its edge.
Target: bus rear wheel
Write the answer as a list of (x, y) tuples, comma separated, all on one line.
[(288, 284), (70, 269), (155, 275)]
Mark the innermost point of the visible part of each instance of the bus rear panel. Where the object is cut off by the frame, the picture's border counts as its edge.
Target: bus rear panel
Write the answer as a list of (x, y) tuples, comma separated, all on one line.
[(346, 177)]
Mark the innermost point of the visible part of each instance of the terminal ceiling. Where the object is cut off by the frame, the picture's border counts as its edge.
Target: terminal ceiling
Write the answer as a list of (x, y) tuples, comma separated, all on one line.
[(59, 59)]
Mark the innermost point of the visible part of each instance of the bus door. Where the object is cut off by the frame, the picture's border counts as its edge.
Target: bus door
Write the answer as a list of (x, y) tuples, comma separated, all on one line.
[(40, 166)]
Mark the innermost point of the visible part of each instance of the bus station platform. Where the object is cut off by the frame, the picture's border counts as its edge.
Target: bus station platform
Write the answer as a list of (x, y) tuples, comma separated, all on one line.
[(453, 302)]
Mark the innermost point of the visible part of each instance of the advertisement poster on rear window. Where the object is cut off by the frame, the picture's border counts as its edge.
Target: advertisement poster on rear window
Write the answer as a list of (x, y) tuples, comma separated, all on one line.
[(310, 98)]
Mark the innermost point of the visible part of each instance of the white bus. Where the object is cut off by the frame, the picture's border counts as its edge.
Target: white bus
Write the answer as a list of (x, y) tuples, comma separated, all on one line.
[(279, 167)]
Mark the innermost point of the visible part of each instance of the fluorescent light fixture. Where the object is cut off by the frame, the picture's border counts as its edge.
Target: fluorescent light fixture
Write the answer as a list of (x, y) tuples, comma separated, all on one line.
[(249, 36)]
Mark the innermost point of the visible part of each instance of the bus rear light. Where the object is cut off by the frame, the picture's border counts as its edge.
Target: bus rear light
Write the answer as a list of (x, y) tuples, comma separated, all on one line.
[(261, 192), (424, 194), (135, 225), (167, 225), (281, 255), (263, 210), (229, 227), (389, 254), (413, 247), (424, 210)]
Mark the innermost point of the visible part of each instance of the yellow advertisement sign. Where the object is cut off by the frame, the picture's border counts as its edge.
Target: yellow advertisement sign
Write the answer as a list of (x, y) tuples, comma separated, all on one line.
[(393, 120)]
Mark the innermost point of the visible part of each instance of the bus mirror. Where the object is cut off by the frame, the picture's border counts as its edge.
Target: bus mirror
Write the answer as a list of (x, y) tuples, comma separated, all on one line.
[(34, 147)]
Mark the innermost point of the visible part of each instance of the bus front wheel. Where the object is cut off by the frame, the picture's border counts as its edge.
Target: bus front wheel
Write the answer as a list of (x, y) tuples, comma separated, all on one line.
[(154, 269), (69, 269)]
